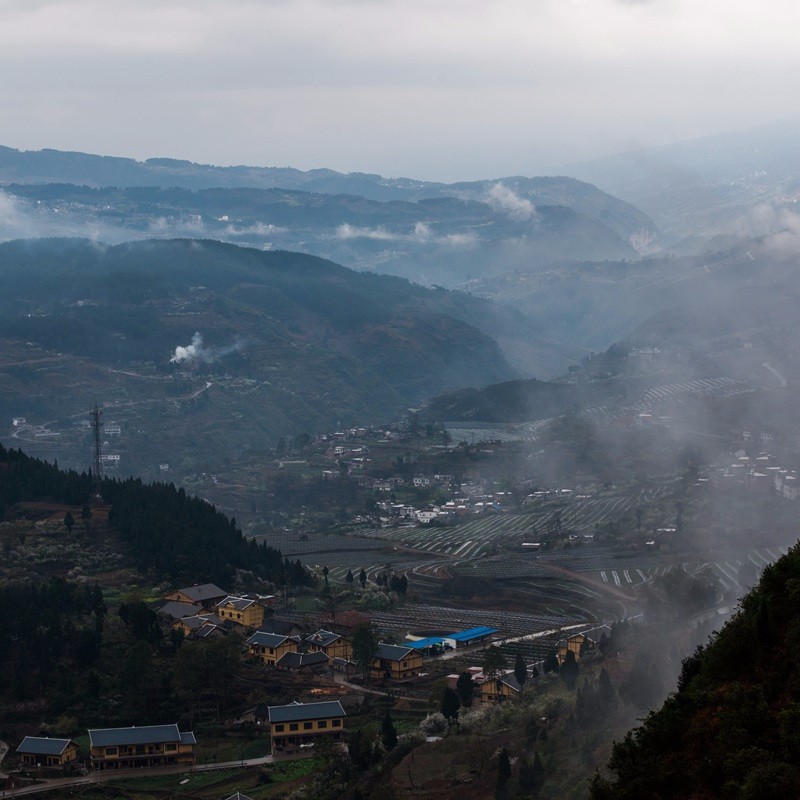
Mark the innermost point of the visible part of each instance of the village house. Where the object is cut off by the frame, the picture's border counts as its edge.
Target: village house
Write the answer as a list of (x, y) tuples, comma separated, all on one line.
[(500, 688), (41, 751), (204, 595), (269, 647), (147, 746), (245, 611), (299, 724), (396, 662), (334, 645), (584, 642), (190, 625)]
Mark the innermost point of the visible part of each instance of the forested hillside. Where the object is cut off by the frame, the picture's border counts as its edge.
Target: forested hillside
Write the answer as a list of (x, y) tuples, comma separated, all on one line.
[(732, 729)]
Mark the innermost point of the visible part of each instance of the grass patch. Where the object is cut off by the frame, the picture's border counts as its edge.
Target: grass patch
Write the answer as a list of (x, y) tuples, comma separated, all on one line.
[(197, 780)]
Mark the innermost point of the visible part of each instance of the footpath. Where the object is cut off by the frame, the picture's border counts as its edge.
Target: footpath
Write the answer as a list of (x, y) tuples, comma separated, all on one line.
[(48, 784)]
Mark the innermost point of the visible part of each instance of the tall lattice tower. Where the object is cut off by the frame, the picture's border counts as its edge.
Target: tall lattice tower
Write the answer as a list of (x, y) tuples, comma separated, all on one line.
[(97, 463)]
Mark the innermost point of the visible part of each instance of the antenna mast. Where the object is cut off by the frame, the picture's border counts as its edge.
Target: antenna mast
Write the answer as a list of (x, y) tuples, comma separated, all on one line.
[(97, 465)]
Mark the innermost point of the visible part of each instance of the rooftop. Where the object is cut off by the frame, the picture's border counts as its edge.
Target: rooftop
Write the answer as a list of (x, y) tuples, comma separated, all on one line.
[(299, 712), (43, 746), (147, 734)]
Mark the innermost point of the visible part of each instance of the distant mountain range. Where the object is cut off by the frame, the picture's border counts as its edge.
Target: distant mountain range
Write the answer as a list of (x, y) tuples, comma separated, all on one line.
[(432, 233), (741, 183)]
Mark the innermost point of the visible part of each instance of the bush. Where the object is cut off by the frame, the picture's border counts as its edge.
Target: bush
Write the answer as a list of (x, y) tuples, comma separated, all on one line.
[(434, 725)]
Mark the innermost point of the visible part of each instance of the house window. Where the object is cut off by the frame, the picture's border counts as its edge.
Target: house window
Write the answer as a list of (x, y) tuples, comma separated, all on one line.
[(307, 726), (293, 726), (170, 748), (337, 723), (405, 663), (111, 751), (279, 728), (323, 724)]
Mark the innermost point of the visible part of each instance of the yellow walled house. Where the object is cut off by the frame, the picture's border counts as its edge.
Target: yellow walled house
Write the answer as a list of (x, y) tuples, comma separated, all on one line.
[(300, 724), (41, 751), (500, 688), (269, 647), (396, 662), (588, 641), (202, 595), (334, 645), (241, 610), (147, 746)]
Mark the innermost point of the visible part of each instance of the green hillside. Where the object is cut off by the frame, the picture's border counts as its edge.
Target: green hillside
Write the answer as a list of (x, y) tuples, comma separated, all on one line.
[(732, 730), (288, 342)]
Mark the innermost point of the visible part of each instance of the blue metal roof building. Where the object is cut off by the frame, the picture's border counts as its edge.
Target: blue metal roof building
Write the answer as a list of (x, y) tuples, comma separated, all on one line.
[(428, 641), (469, 636)]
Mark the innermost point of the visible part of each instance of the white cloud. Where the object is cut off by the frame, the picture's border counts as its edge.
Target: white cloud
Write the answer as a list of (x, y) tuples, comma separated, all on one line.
[(451, 89), (506, 201)]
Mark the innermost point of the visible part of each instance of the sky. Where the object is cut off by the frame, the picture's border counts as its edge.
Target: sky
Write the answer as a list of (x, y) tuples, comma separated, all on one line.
[(431, 89)]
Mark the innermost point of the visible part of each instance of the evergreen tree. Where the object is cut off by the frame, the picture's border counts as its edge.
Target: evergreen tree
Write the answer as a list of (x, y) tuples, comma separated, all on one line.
[(388, 731), (450, 705), (503, 775), (465, 689), (362, 578), (569, 670), (520, 670), (349, 577), (551, 662), (69, 521)]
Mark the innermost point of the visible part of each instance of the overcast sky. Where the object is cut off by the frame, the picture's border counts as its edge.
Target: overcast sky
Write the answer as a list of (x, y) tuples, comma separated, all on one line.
[(435, 89)]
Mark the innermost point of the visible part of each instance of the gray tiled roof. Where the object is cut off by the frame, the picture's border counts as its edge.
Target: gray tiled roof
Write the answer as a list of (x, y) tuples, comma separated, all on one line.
[(323, 638), (203, 591), (270, 639), (298, 660), (177, 610), (147, 734), (393, 652), (239, 603), (298, 712), (43, 746)]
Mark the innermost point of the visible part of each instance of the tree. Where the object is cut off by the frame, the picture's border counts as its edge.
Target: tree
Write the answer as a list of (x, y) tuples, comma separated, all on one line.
[(86, 515), (365, 647), (503, 774), (362, 578), (520, 670), (465, 689), (69, 521), (551, 662), (493, 662), (569, 670), (349, 577), (388, 732), (450, 705)]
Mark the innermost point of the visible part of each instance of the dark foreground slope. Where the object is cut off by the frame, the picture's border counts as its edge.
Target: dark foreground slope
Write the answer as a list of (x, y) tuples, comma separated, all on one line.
[(732, 730)]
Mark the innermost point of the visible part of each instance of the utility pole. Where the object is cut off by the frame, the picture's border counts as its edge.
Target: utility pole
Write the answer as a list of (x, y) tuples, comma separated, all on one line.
[(97, 464)]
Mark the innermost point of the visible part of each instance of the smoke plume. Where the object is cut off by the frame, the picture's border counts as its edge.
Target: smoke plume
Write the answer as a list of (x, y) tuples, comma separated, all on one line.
[(197, 353)]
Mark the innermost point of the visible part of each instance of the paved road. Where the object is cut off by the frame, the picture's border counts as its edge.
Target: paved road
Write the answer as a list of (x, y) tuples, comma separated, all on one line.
[(117, 774)]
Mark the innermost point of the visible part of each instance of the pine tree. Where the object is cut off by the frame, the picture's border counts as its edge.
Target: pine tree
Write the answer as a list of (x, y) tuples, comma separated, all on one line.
[(520, 670), (450, 705), (388, 732)]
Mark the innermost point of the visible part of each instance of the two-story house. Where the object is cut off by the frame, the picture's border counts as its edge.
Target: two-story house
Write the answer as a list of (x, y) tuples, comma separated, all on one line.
[(269, 647), (300, 724), (241, 610), (396, 661), (147, 746), (41, 751), (334, 645)]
